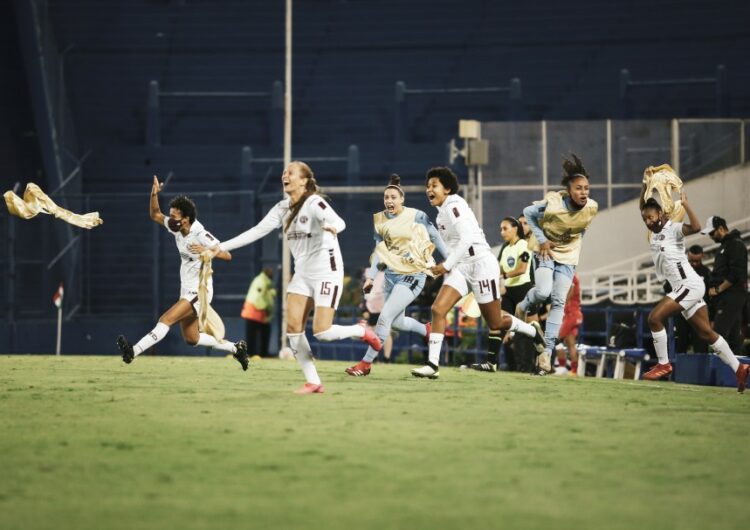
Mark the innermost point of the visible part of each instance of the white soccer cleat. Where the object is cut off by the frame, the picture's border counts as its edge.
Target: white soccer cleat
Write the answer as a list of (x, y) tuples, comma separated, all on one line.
[(544, 363), (539, 341), (425, 371)]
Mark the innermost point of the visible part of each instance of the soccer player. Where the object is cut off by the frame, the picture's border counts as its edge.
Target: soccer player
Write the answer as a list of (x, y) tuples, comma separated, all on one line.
[(310, 226), (572, 319), (667, 241), (191, 239), (470, 265), (558, 223), (402, 243)]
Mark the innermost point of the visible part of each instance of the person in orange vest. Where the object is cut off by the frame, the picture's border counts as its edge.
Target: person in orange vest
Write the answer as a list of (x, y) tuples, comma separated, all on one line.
[(258, 312)]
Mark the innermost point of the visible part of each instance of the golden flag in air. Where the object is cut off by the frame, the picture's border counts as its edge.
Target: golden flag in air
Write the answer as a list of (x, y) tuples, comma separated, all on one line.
[(663, 181), (35, 201)]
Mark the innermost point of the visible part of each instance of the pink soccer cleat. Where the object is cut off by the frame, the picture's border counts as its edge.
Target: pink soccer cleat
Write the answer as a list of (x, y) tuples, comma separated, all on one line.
[(310, 388), (658, 371), (370, 338), (360, 369), (741, 373)]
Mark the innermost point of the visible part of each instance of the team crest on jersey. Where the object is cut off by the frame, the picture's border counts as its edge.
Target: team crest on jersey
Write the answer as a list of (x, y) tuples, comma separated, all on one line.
[(660, 237), (303, 219), (511, 261)]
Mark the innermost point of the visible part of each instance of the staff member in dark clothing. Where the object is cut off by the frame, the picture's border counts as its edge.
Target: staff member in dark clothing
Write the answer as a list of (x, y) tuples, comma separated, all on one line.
[(728, 289), (685, 334)]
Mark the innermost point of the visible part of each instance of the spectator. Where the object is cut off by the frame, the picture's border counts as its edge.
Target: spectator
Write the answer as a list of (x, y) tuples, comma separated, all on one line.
[(258, 312), (728, 282)]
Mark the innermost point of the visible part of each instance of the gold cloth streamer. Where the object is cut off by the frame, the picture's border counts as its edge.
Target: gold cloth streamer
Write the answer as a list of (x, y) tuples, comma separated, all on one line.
[(664, 181), (416, 257), (209, 320), (35, 201)]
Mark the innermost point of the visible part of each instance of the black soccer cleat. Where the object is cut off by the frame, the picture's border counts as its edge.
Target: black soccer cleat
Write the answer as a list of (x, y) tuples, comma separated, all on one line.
[(126, 349), (484, 367), (241, 354)]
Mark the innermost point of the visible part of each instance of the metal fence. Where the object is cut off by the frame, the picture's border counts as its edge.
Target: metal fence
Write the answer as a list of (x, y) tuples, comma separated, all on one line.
[(525, 157)]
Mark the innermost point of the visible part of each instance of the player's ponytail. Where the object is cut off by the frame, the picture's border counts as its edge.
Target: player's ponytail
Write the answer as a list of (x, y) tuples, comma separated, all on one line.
[(311, 188), (573, 169)]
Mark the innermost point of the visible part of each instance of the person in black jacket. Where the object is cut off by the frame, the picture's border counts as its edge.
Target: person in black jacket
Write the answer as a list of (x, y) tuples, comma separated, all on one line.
[(728, 282)]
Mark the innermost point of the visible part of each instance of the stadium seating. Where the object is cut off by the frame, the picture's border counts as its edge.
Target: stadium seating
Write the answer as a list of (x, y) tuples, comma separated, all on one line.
[(347, 58)]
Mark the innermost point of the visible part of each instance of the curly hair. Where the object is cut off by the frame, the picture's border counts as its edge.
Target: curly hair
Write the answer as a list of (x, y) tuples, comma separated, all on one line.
[(447, 178), (186, 206)]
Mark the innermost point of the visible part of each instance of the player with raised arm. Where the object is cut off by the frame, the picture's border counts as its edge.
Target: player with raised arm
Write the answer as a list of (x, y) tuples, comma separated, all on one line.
[(404, 241), (191, 239), (667, 241), (310, 226), (470, 266)]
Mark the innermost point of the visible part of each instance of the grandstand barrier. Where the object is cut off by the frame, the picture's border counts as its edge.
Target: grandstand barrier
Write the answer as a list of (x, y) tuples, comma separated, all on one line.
[(719, 81), (153, 108), (401, 92)]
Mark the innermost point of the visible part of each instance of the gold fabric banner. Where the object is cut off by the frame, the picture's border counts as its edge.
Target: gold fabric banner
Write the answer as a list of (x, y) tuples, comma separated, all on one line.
[(663, 181), (209, 320), (35, 201)]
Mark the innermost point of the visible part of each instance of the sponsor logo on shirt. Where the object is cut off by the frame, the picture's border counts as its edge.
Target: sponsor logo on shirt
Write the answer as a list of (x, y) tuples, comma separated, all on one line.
[(292, 236), (303, 219)]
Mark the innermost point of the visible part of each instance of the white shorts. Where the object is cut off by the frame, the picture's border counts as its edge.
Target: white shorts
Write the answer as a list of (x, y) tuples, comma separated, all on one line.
[(191, 295), (690, 297), (481, 276), (324, 289)]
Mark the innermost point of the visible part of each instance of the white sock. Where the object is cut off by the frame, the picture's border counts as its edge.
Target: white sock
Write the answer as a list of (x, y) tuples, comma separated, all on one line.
[(436, 344), (204, 339), (151, 338), (522, 327), (337, 332), (722, 349), (301, 348), (660, 345)]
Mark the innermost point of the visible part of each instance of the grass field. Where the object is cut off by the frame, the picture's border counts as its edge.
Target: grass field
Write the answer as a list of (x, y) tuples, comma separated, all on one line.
[(88, 442)]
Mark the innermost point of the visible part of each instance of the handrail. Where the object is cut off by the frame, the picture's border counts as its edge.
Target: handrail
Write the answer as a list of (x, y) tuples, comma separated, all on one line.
[(634, 260)]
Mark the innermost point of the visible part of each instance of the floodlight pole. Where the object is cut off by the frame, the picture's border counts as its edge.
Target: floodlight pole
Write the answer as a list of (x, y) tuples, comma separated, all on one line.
[(285, 257)]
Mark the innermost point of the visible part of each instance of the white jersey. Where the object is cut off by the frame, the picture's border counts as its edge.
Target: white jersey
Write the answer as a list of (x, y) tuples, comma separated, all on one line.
[(190, 267), (668, 252), (315, 250), (461, 232)]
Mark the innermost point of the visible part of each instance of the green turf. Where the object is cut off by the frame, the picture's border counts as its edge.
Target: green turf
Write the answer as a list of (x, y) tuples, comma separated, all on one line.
[(87, 442)]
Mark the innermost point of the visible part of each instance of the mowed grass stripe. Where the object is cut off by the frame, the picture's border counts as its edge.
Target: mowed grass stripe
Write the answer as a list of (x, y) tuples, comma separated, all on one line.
[(88, 442)]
